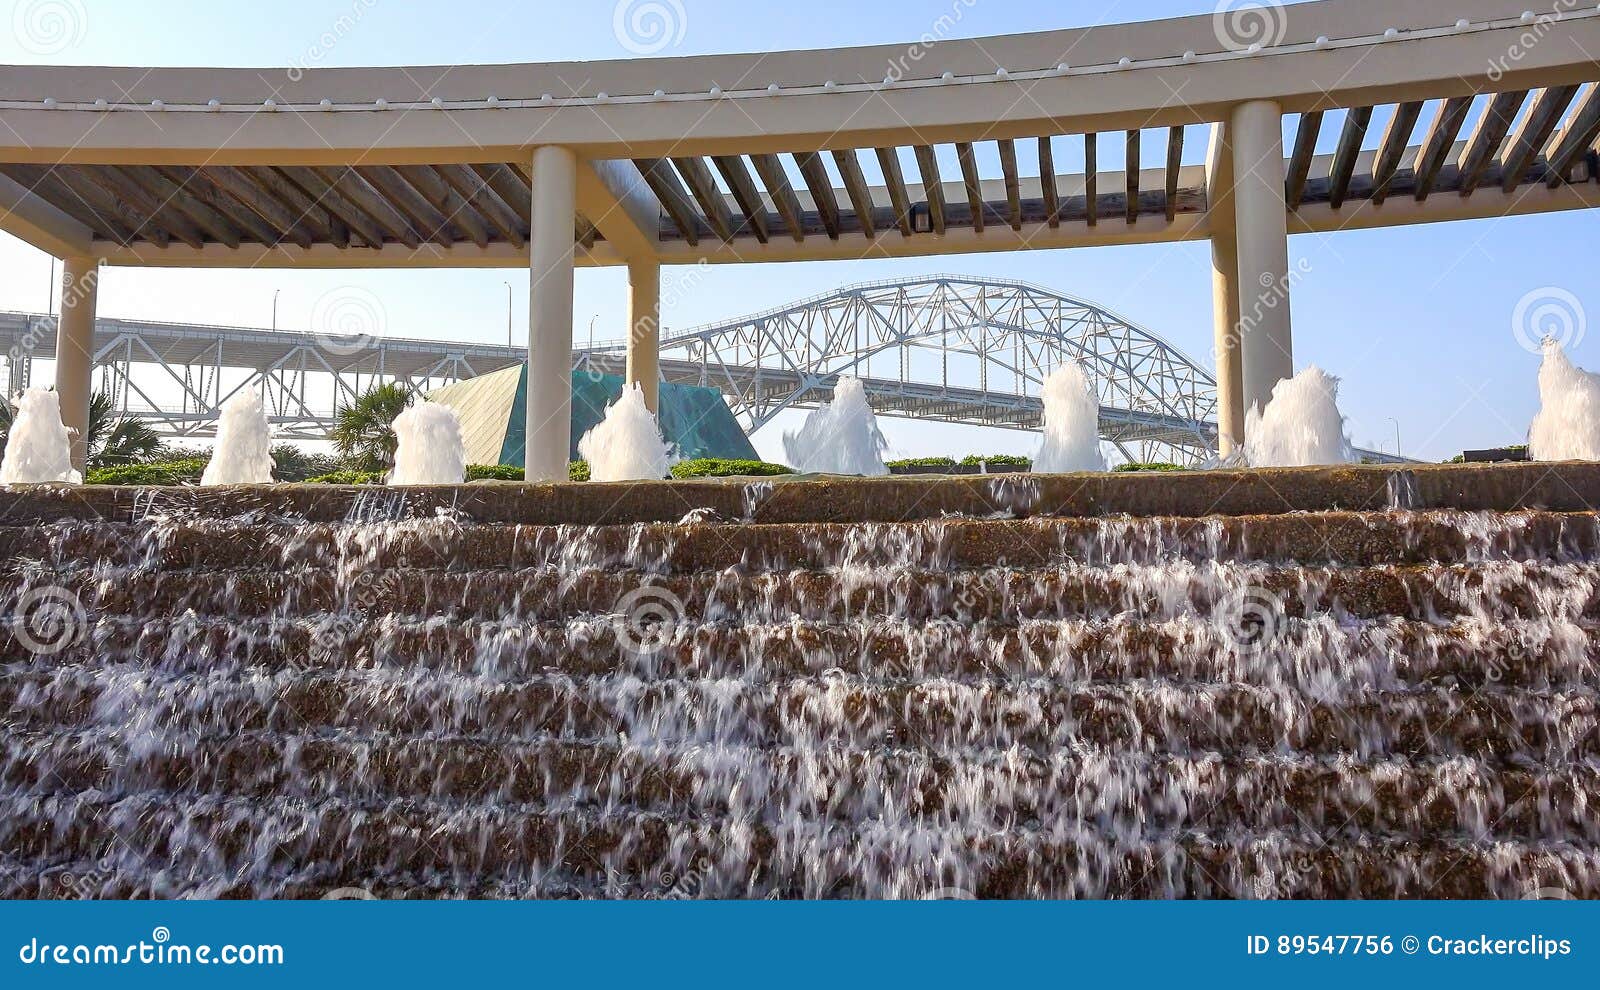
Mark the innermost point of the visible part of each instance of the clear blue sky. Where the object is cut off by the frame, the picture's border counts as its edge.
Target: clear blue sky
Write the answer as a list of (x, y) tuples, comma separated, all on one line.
[(1417, 321)]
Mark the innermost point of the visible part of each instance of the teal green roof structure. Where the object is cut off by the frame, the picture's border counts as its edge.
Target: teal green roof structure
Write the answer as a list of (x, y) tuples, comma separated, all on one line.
[(493, 413)]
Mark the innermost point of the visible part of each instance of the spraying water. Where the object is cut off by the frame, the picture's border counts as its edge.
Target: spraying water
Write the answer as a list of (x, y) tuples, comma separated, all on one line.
[(430, 451), (840, 438), (627, 444), (1567, 427), (1071, 424), (40, 446), (1301, 425), (241, 456)]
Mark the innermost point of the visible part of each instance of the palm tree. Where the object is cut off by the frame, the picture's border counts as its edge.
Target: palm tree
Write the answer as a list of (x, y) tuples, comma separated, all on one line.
[(363, 433), (113, 440)]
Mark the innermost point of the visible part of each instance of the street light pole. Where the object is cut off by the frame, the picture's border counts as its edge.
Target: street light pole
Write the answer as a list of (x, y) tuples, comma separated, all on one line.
[(1396, 423), (275, 293), (508, 314)]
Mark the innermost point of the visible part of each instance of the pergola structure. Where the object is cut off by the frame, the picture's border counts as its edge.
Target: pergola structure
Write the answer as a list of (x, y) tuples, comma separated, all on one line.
[(1493, 110)]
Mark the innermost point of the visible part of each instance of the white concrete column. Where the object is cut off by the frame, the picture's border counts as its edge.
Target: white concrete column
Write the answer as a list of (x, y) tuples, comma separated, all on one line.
[(1225, 324), (75, 350), (644, 329), (548, 441), (1265, 341)]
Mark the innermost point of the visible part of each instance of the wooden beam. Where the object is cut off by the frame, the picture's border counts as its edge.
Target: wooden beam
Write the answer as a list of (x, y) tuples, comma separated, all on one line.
[(704, 187), (445, 199), (48, 184), (350, 184), (932, 186), (1008, 169), (292, 224), (855, 186), (202, 184), (1047, 182), (1174, 167), (321, 190), (821, 188), (472, 187), (26, 214), (1487, 135), (154, 212), (745, 193), (188, 202), (1543, 115), (969, 178), (1583, 126), (664, 182), (1392, 147), (1091, 179), (429, 221), (1305, 148), (1130, 172), (770, 169), (1436, 144), (623, 208), (513, 188), (894, 179), (1356, 122), (331, 228)]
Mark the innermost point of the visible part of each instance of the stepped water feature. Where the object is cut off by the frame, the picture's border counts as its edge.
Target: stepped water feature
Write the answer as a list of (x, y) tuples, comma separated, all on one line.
[(1351, 682)]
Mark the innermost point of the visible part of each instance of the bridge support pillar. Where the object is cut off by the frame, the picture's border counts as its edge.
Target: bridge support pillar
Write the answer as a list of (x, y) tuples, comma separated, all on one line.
[(1265, 341), (644, 329), (75, 350), (548, 438), (1225, 322)]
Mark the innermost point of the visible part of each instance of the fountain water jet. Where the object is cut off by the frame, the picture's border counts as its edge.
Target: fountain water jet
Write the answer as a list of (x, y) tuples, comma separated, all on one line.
[(1567, 426), (1301, 426), (842, 437), (627, 444), (244, 438), (40, 445), (1071, 424), (430, 450)]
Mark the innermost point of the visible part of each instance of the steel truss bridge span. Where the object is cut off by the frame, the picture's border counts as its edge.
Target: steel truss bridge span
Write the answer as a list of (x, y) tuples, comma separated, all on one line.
[(949, 349)]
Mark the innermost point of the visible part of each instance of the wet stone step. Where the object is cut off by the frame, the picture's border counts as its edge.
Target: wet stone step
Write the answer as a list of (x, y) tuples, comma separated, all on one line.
[(1121, 794), (258, 847)]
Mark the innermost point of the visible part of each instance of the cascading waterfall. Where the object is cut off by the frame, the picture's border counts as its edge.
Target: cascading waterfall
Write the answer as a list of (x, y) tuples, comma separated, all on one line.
[(1301, 426), (842, 437), (39, 448), (1071, 423), (1323, 704), (430, 450), (1567, 426), (243, 453), (627, 444)]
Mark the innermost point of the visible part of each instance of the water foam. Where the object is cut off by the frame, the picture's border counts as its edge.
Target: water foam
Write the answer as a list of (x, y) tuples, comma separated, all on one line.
[(1301, 426), (1071, 424), (1567, 427), (430, 451), (40, 446), (627, 444), (842, 437), (242, 455)]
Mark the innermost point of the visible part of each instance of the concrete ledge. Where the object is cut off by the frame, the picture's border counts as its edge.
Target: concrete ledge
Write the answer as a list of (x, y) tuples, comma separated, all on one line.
[(1569, 487)]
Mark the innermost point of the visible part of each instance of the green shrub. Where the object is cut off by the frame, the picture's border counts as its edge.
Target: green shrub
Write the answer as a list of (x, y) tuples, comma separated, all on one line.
[(348, 478), (1149, 466), (293, 464), (185, 472), (578, 471), (494, 472), (996, 460), (726, 467), (929, 462)]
